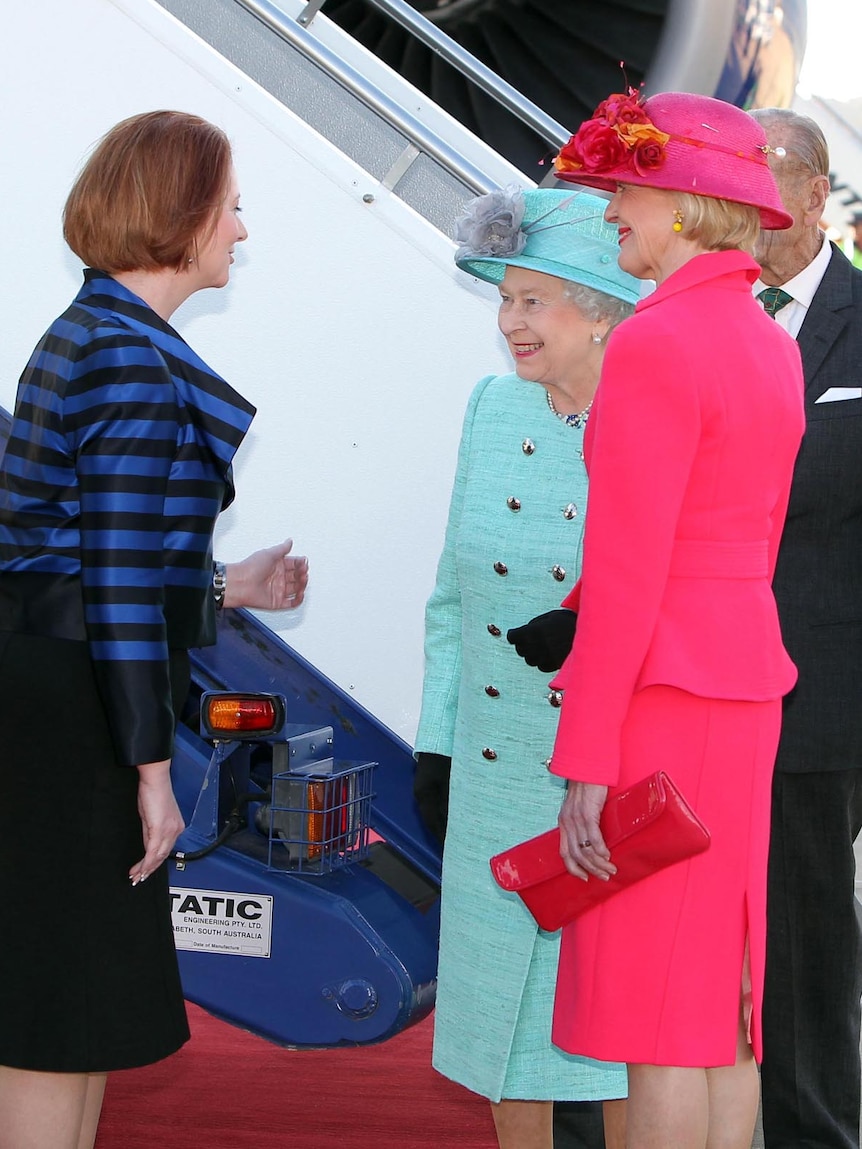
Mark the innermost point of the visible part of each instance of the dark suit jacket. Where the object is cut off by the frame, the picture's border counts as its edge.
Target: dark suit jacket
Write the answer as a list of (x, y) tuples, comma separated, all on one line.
[(818, 579)]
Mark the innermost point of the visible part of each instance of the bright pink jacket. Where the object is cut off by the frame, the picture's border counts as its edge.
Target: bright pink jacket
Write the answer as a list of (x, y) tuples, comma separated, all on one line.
[(690, 449)]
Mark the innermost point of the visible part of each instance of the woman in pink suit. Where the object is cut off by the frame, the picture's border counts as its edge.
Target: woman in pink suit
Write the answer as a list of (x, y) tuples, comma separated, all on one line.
[(677, 661)]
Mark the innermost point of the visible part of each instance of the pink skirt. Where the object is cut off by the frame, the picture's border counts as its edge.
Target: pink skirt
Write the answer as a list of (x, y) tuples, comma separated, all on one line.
[(655, 976)]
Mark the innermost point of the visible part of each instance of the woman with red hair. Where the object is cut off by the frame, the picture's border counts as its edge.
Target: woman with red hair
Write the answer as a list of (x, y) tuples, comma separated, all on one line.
[(117, 466)]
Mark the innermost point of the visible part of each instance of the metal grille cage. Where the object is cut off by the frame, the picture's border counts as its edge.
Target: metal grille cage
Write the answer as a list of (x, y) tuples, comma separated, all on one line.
[(320, 816)]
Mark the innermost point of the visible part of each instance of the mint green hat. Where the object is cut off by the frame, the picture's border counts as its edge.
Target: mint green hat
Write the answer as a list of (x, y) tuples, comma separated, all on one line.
[(552, 230)]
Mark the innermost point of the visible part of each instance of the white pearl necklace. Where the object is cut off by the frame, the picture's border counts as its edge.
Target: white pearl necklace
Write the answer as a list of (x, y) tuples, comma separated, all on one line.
[(570, 420)]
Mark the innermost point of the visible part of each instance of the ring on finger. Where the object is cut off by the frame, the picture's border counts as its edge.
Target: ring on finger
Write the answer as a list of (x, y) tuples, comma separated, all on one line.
[(585, 844)]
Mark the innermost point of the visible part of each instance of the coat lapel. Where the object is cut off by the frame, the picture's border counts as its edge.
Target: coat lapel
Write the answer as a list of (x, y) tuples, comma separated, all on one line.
[(220, 414), (830, 311)]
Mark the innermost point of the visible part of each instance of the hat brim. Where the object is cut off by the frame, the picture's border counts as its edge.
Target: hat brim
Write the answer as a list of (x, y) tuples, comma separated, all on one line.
[(492, 270), (771, 218)]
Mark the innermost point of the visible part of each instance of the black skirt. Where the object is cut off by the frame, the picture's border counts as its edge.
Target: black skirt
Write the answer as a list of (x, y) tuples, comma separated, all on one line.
[(88, 969)]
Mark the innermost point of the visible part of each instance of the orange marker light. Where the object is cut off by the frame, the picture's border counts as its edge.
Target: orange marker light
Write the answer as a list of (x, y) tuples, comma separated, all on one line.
[(238, 715), (330, 804)]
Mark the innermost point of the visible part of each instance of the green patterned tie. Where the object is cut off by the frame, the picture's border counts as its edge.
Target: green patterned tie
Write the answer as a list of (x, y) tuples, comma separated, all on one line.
[(773, 299)]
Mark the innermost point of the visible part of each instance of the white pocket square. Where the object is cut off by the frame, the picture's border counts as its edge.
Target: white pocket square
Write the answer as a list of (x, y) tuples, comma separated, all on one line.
[(836, 394)]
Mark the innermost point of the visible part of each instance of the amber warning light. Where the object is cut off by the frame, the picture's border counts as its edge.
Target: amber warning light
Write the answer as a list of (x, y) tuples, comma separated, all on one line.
[(233, 715)]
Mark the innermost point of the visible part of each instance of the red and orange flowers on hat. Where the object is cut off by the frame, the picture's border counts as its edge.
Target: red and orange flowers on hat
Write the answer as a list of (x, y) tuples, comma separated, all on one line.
[(620, 134)]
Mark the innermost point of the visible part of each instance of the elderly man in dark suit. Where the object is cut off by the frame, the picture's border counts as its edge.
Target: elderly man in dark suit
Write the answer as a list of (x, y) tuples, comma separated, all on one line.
[(811, 1016)]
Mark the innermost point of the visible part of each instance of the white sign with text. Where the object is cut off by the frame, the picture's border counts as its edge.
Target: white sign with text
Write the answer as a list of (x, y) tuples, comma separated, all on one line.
[(222, 921)]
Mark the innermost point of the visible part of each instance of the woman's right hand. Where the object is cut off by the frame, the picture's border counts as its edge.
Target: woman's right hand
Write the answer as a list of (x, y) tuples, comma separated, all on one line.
[(160, 818), (582, 846)]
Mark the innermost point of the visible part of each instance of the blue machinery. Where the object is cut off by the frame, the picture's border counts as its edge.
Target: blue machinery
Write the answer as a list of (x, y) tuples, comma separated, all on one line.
[(314, 922)]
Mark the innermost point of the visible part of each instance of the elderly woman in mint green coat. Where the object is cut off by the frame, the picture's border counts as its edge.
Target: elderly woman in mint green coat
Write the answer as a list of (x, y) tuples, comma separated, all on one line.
[(512, 549)]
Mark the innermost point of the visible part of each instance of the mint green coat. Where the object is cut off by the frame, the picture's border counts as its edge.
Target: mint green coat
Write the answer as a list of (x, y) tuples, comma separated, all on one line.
[(518, 500)]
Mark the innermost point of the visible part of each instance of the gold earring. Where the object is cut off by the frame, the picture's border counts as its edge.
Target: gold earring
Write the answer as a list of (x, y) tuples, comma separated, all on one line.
[(677, 220)]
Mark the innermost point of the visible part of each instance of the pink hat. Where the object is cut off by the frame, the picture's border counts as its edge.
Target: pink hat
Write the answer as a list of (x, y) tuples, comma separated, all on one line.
[(678, 141)]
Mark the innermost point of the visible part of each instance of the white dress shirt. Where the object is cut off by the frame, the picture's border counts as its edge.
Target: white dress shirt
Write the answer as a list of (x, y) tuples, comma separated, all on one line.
[(802, 287)]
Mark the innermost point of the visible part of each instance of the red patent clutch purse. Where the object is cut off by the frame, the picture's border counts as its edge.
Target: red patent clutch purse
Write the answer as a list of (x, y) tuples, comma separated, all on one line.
[(646, 828)]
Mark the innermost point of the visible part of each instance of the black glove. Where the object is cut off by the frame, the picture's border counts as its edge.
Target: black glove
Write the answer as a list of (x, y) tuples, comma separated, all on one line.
[(431, 791), (545, 640)]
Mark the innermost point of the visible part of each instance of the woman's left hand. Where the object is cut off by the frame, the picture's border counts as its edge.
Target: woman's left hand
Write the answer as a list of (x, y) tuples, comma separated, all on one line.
[(270, 579), (161, 820), (581, 843)]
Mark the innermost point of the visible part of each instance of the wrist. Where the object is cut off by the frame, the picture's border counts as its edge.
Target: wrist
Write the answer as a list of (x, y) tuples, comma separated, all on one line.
[(154, 773)]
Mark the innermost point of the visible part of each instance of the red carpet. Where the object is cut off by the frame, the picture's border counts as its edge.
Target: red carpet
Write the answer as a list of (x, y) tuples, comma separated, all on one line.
[(229, 1090)]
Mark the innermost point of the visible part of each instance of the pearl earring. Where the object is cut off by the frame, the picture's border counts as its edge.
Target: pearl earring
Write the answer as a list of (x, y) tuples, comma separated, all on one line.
[(596, 337), (677, 220)]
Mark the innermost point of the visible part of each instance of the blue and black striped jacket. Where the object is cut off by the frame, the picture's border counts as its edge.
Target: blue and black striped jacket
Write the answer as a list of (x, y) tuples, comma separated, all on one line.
[(117, 466)]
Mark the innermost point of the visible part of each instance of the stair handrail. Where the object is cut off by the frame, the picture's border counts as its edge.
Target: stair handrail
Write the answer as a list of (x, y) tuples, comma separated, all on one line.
[(296, 31), (473, 69)]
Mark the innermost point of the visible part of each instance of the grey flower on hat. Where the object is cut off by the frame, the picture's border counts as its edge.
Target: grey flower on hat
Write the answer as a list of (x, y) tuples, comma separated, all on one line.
[(491, 225)]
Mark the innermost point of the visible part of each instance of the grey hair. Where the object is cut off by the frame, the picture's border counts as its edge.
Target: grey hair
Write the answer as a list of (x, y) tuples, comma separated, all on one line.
[(806, 136), (597, 306)]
